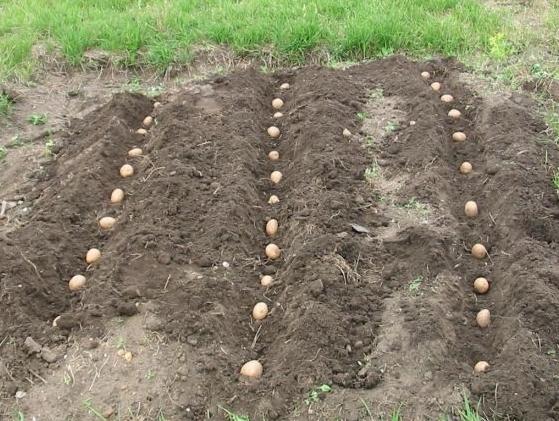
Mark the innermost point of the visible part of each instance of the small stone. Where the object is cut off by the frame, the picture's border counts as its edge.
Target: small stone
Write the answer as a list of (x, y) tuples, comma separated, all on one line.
[(32, 346), (316, 287), (205, 262), (131, 292), (152, 322), (428, 375), (226, 265), (67, 321), (126, 309), (164, 258), (192, 340), (268, 270), (120, 352), (128, 356), (90, 343), (346, 133), (412, 123), (48, 355), (108, 412), (20, 394)]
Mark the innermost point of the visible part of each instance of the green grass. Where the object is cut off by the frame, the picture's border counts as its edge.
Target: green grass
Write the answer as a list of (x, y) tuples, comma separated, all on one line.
[(162, 32), (554, 179), (317, 392), (5, 105), (469, 413), (18, 416), (415, 285), (92, 410), (231, 416), (37, 119), (552, 121), (372, 172), (414, 205)]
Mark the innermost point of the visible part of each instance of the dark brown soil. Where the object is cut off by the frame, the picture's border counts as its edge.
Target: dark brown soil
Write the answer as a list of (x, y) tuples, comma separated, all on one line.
[(199, 201)]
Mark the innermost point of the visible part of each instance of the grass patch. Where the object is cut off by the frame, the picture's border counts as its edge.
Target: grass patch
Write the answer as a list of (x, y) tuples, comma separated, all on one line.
[(49, 146), (92, 410), (554, 179), (317, 392), (5, 105), (391, 127), (18, 416), (162, 32), (414, 205), (3, 153), (372, 172), (415, 285), (37, 119), (231, 416), (552, 121), (470, 413)]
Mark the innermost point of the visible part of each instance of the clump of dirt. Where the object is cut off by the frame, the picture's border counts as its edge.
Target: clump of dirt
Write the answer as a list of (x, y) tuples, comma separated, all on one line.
[(372, 294)]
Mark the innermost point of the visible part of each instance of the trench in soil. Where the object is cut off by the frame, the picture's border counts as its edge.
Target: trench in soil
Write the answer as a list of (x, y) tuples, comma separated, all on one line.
[(342, 308)]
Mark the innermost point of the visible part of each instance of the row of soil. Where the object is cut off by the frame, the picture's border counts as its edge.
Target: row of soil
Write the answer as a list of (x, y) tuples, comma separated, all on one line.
[(199, 199)]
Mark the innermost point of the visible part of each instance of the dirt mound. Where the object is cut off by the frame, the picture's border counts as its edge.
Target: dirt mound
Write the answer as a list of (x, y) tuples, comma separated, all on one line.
[(385, 314)]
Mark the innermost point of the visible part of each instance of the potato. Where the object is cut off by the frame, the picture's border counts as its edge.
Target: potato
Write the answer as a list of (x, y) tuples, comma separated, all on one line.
[(266, 280), (447, 98), (481, 285), (284, 86), (273, 199), (260, 311), (142, 131), (273, 156), (454, 113), (106, 222), (126, 170), (483, 318), (459, 136), (272, 227), (135, 152), (436, 86), (277, 103), (272, 251), (252, 369), (276, 177), (481, 367), (278, 115), (274, 132), (117, 196), (148, 121), (92, 256), (465, 168), (346, 133), (425, 75), (479, 251), (76, 283), (470, 209)]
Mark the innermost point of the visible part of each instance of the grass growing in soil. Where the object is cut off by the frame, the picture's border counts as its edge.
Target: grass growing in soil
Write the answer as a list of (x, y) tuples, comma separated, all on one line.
[(5, 105), (231, 416), (162, 32), (37, 119)]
